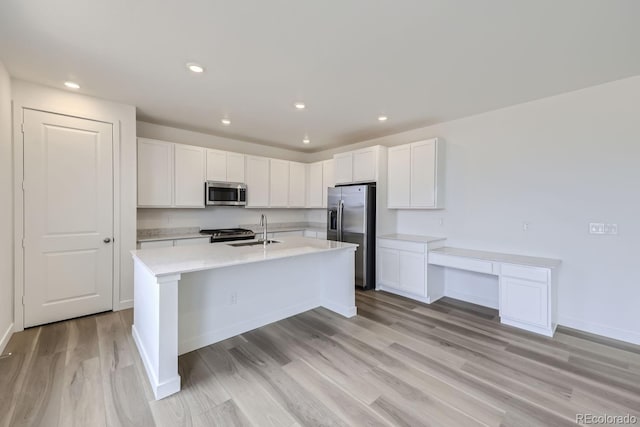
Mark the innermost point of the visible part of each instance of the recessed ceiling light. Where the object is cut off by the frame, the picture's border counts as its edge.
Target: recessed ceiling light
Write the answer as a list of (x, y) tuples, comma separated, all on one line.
[(196, 68), (300, 105), (72, 85), (306, 140), (382, 118), (225, 122)]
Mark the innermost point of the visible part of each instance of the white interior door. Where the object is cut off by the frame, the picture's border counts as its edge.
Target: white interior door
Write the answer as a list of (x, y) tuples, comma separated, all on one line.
[(68, 217)]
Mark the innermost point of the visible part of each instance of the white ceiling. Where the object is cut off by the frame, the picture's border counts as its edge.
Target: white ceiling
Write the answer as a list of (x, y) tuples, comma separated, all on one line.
[(417, 61)]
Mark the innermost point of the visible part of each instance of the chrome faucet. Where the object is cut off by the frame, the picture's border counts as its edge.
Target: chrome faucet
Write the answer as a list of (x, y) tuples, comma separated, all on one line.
[(263, 223)]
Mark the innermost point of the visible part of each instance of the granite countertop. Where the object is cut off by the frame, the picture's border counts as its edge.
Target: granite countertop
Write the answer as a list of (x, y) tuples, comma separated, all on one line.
[(412, 238), (157, 234), (186, 259), (499, 257)]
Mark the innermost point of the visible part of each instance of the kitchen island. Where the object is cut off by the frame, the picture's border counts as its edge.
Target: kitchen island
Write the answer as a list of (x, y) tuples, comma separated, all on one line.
[(188, 297)]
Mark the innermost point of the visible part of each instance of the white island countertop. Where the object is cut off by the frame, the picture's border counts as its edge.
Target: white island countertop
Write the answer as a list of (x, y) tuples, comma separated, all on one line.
[(186, 259)]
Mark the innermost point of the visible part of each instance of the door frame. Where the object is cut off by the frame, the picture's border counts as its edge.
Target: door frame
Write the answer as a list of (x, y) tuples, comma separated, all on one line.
[(89, 109)]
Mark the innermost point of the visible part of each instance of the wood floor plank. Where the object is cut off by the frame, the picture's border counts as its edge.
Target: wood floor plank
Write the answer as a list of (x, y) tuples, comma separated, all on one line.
[(352, 411), (260, 408), (302, 404), (226, 414)]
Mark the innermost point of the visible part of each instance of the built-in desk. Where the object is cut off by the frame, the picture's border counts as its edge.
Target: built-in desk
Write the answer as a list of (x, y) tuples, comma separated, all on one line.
[(527, 285)]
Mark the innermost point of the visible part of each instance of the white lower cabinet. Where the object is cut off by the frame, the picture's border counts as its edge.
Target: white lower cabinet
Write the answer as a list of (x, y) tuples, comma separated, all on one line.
[(403, 270), (525, 298)]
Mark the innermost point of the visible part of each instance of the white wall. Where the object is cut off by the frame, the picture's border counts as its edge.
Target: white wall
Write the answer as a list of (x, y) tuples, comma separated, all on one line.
[(6, 211), (218, 216), (123, 117), (557, 163)]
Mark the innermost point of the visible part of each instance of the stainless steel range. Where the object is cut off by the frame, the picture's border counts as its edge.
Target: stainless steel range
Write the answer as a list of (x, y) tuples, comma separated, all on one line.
[(229, 234)]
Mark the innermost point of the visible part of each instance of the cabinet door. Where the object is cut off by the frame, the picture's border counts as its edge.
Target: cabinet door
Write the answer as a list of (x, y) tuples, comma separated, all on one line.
[(257, 179), (189, 176), (216, 165), (155, 173), (389, 267), (524, 301), (315, 192), (328, 179), (235, 167), (365, 165), (279, 183), (423, 174), (399, 177), (343, 168), (413, 273), (297, 184)]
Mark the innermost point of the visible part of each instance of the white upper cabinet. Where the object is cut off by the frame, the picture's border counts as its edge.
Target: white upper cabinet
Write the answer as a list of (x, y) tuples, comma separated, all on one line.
[(279, 184), (343, 168), (257, 180), (399, 179), (315, 193), (328, 179), (189, 171), (235, 167), (216, 165), (155, 173), (297, 184), (224, 166), (416, 175), (365, 165), (357, 166), (170, 175)]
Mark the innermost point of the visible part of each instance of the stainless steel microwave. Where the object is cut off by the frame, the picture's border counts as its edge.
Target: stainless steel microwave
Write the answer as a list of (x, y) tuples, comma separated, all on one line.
[(225, 193)]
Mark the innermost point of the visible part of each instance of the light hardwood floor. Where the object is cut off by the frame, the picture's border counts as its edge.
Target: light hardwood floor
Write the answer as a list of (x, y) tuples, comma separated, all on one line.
[(397, 363)]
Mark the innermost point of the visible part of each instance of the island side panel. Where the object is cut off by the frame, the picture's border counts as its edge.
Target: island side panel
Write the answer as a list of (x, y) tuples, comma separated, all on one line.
[(338, 292), (218, 304), (155, 328)]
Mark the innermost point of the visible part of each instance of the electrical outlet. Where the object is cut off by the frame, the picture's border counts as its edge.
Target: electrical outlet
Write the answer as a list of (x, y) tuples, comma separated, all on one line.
[(525, 226), (596, 228), (441, 222), (611, 229), (234, 298)]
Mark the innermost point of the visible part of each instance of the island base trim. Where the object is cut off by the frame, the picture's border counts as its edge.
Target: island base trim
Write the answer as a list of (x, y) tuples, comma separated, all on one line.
[(342, 310), (204, 340), (160, 390)]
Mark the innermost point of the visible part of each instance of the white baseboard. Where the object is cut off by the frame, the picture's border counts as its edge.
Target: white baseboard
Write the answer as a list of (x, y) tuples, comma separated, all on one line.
[(6, 337), (160, 390), (474, 299), (340, 309), (629, 336), (402, 293), (124, 305)]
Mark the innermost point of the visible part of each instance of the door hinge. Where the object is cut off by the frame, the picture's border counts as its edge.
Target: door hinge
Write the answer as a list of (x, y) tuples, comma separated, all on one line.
[(23, 243), (22, 299), (22, 127)]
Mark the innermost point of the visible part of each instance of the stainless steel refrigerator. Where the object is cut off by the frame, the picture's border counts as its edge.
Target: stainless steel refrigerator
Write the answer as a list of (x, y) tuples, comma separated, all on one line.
[(351, 217)]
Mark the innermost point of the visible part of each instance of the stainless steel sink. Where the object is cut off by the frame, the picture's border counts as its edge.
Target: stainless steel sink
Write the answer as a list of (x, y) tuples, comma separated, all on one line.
[(252, 243)]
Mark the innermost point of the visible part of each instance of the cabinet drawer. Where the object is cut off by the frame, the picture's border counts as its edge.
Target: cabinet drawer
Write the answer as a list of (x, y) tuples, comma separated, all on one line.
[(461, 263), (402, 245), (522, 272)]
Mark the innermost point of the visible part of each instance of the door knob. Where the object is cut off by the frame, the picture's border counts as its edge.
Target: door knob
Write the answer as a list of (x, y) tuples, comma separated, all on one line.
[(107, 239)]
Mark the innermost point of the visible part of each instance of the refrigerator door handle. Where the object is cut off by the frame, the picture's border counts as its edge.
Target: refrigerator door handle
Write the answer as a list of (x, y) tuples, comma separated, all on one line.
[(340, 211)]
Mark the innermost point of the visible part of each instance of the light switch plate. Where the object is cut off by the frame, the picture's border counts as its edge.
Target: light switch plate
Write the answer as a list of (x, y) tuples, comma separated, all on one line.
[(596, 228)]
